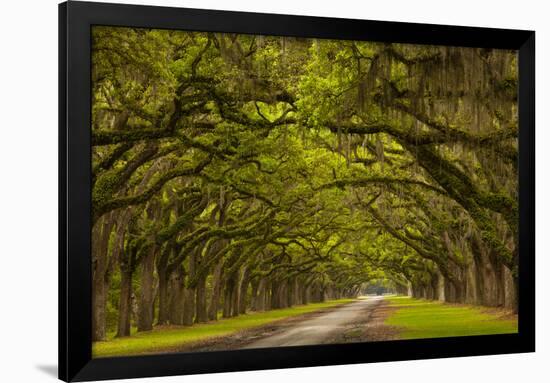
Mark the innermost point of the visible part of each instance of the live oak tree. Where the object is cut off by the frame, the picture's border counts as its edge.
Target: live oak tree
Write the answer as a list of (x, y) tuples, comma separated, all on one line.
[(236, 172)]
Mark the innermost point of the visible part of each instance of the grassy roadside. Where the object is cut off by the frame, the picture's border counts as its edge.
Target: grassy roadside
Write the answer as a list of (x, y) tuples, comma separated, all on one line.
[(162, 339), (419, 318)]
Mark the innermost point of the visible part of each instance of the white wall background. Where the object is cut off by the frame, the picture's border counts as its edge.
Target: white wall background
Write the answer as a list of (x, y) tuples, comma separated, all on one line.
[(28, 189)]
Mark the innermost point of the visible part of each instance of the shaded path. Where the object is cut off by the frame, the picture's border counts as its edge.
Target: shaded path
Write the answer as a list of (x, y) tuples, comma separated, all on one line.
[(319, 329)]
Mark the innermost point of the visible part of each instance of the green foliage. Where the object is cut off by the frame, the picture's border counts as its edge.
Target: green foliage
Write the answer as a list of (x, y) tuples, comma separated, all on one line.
[(329, 163)]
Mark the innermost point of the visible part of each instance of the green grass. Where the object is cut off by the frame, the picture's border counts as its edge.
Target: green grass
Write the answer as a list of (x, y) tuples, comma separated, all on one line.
[(419, 318), (165, 339)]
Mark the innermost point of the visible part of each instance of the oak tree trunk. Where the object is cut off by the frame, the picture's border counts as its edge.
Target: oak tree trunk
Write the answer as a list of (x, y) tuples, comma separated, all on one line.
[(202, 314), (146, 295), (100, 281), (216, 292), (125, 302)]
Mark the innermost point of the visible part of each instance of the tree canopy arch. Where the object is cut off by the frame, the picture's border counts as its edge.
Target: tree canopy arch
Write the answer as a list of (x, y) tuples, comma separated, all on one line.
[(237, 172)]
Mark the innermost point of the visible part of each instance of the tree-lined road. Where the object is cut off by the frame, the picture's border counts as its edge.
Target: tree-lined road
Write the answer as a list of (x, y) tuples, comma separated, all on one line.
[(239, 174)]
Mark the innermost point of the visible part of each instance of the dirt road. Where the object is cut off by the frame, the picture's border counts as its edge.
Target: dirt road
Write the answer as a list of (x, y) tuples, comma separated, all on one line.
[(319, 329)]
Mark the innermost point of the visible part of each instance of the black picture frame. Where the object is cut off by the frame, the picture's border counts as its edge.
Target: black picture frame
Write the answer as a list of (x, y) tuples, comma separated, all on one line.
[(75, 358)]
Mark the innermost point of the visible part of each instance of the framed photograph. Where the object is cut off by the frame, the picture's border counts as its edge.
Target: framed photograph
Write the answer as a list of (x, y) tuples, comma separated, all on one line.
[(325, 191)]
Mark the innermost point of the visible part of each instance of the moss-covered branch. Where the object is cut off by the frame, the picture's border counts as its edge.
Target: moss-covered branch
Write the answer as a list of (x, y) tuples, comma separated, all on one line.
[(102, 206)]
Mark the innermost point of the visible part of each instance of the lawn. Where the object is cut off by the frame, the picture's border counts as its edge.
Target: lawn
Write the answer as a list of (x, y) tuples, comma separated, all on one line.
[(165, 339), (419, 318)]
